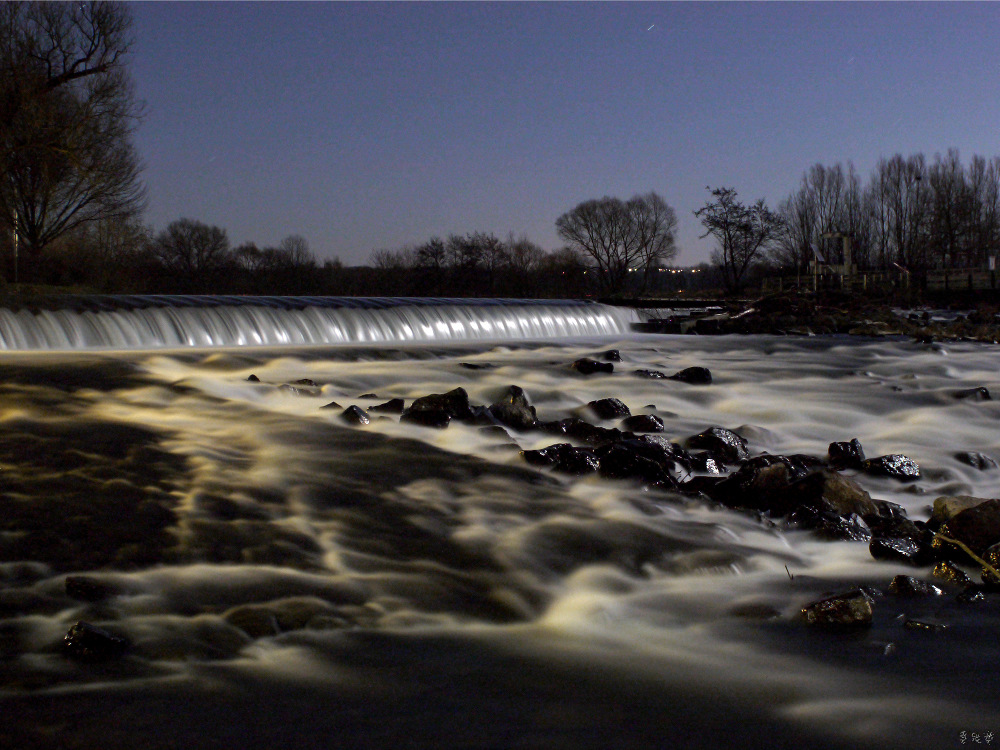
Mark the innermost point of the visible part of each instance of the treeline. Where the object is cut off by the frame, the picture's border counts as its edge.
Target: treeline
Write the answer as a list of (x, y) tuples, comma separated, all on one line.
[(912, 213)]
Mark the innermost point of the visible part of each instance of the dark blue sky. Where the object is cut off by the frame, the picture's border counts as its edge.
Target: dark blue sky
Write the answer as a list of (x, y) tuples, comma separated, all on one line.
[(369, 125)]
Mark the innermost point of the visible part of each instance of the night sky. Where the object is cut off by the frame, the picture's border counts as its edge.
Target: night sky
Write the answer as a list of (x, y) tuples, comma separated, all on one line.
[(377, 125)]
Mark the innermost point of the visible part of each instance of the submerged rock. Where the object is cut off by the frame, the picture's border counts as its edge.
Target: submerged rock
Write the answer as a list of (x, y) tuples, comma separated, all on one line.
[(564, 458), (623, 461), (586, 366), (609, 408), (392, 406), (331, 405), (973, 394), (651, 374), (693, 376), (253, 379), (901, 549), (930, 627), (612, 355), (853, 609), (976, 460), (723, 443), (514, 410), (579, 429), (895, 465), (86, 642), (829, 525), (642, 423)]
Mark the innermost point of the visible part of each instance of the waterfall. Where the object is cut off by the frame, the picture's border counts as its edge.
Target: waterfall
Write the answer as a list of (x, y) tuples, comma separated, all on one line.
[(173, 321)]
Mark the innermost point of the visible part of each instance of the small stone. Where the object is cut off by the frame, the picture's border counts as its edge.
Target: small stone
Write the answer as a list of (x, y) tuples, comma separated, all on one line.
[(332, 405), (642, 423), (830, 525), (586, 366), (853, 609), (693, 376), (909, 586), (992, 558), (927, 627), (971, 595), (609, 408), (620, 462), (650, 374), (476, 366), (612, 355), (455, 403), (900, 549), (896, 466), (355, 415), (86, 642), (306, 382), (564, 458), (253, 379)]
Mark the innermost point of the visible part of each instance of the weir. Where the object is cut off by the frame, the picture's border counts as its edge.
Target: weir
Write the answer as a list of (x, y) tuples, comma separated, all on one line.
[(137, 322)]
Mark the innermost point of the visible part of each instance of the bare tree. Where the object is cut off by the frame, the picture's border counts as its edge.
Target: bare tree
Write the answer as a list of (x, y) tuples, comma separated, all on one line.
[(193, 252), (743, 233), (620, 238), (67, 113)]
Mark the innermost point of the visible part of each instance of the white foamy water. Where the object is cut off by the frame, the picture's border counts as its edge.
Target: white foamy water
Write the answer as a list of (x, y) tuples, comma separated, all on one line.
[(296, 582)]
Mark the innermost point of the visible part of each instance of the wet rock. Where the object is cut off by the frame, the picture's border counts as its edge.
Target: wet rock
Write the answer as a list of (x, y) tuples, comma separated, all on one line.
[(849, 455), (586, 366), (705, 463), (455, 403), (895, 465), (476, 366), (392, 406), (305, 382), (948, 506), (971, 595), (949, 573), (609, 408), (612, 355), (88, 589), (829, 525), (621, 461), (973, 394), (693, 376), (976, 460), (650, 374), (977, 527), (332, 405), (253, 379), (826, 491), (721, 442), (853, 609), (369, 396), (659, 450), (992, 568), (86, 642), (564, 458), (427, 418), (514, 410), (355, 415), (928, 627), (642, 423), (909, 586), (298, 390), (901, 549)]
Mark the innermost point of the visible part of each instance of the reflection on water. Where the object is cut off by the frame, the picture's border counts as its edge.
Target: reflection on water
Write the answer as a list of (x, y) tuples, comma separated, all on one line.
[(286, 580)]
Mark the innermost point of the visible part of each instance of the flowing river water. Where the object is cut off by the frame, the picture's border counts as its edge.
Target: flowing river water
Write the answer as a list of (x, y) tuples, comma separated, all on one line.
[(286, 580)]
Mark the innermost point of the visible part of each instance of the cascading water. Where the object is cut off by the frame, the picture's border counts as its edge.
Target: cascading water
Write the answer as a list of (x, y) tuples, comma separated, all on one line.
[(286, 580), (153, 322)]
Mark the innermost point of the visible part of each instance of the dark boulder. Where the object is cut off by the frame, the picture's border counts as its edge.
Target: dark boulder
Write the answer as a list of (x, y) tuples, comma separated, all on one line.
[(705, 463), (659, 450), (514, 410), (392, 406), (949, 573), (355, 415), (578, 429), (846, 455), (86, 642), (253, 379), (948, 506), (455, 403), (971, 595), (331, 405), (829, 525), (609, 408), (625, 461), (612, 355), (976, 460), (853, 609), (991, 571), (586, 366), (721, 442), (642, 423), (901, 549), (693, 376), (564, 458), (909, 586), (895, 465), (978, 528)]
